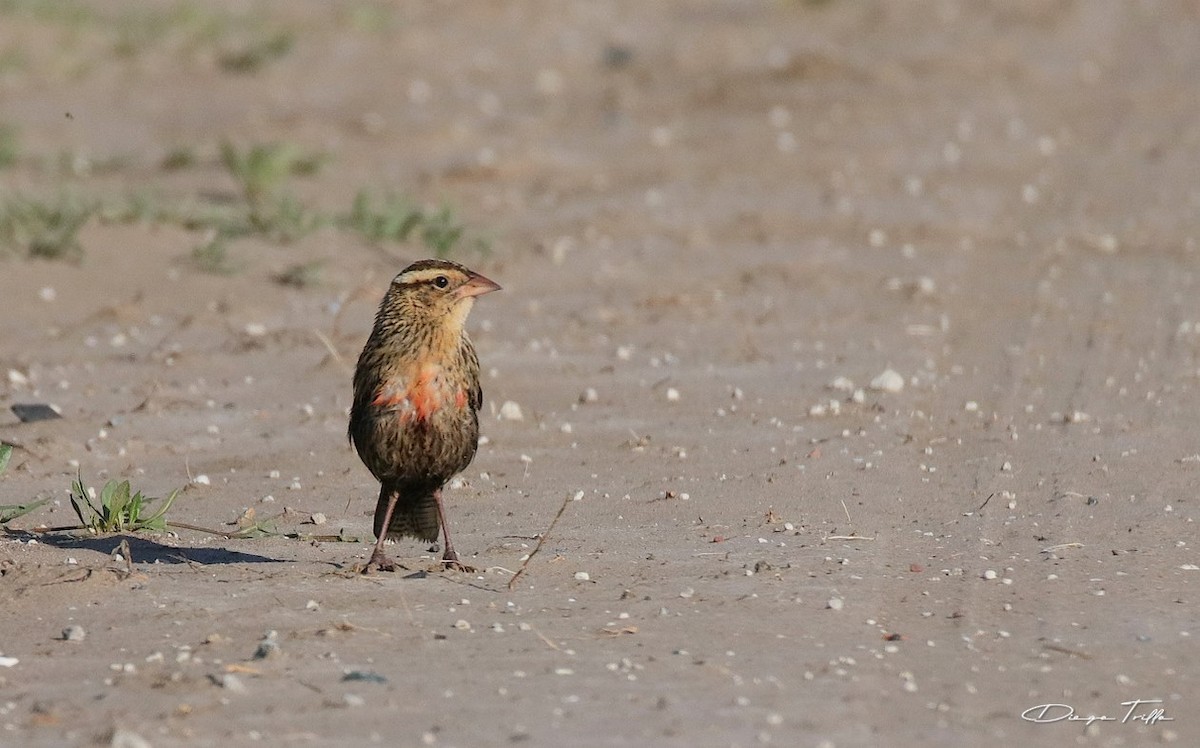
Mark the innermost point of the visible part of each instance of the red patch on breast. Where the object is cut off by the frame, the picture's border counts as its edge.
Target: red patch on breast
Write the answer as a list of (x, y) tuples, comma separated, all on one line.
[(418, 401)]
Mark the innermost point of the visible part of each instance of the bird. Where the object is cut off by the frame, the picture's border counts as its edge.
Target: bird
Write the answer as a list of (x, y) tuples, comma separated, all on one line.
[(414, 420)]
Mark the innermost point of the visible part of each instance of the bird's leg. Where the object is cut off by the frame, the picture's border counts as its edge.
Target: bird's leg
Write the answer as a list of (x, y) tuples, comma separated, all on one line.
[(379, 560), (449, 558)]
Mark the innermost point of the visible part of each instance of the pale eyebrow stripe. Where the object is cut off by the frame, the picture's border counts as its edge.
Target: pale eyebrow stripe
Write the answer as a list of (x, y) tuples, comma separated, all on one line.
[(420, 276)]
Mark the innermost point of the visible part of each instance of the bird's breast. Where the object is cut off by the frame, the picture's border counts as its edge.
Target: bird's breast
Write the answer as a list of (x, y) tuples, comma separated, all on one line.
[(421, 395)]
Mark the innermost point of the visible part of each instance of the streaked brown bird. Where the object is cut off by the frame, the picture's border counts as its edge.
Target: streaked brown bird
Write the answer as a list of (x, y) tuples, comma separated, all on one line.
[(415, 419)]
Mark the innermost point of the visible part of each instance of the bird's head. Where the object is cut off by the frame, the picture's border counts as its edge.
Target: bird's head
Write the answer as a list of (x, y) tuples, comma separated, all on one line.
[(436, 293)]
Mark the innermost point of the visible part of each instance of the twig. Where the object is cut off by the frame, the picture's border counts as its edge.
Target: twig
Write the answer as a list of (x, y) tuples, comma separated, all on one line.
[(538, 547), (847, 511), (333, 351), (1067, 651), (847, 537), (985, 501), (546, 639), (197, 528), (1061, 547)]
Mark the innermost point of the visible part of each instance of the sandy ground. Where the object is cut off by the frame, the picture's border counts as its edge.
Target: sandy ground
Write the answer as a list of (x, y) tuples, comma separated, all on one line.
[(726, 219)]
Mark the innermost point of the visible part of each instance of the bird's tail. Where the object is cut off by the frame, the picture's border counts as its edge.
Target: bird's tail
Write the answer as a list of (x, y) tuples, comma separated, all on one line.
[(415, 514)]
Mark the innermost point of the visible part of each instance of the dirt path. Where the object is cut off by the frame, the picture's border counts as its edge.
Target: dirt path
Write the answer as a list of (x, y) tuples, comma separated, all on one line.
[(716, 225)]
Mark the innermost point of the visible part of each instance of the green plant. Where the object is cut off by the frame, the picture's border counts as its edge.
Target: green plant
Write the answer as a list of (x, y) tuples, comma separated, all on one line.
[(441, 232), (370, 17), (259, 170), (301, 275), (121, 509), (392, 219), (180, 157), (9, 148), (47, 230), (255, 55), (213, 256), (285, 220), (65, 12), (9, 512)]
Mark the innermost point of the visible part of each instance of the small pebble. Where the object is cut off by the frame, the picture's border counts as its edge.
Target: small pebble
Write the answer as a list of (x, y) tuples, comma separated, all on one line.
[(353, 699), (201, 480), (318, 518), (582, 576), (589, 395), (312, 605), (74, 633), (462, 625), (510, 411), (672, 395), (268, 648), (231, 683), (365, 676), (122, 738), (835, 603), (889, 380), (842, 384), (990, 574), (687, 593)]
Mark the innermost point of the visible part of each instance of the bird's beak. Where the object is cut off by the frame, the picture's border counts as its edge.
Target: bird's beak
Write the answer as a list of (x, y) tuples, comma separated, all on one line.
[(477, 286)]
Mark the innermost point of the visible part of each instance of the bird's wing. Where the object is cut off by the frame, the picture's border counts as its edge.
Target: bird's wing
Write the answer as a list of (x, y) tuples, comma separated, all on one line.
[(472, 366)]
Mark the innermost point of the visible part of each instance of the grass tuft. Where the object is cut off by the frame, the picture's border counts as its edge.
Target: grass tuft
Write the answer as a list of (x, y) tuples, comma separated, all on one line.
[(120, 508), (213, 256), (258, 53), (42, 229), (301, 275), (10, 149)]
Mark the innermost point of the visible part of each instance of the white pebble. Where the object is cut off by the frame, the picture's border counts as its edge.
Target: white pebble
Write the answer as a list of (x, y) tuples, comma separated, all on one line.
[(687, 593), (319, 518), (990, 574), (672, 395), (835, 603), (201, 480), (17, 379), (510, 411), (8, 661), (462, 625), (589, 395), (74, 633), (842, 384), (256, 329), (888, 381), (582, 576)]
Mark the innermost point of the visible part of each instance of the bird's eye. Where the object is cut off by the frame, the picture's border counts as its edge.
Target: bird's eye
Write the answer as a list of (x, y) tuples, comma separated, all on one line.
[(441, 281)]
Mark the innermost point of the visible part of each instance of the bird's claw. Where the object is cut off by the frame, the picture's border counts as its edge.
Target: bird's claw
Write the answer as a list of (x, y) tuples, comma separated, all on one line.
[(450, 561), (379, 562)]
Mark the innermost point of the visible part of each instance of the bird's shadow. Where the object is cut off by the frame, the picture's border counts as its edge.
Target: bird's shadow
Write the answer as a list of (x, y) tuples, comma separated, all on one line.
[(146, 551)]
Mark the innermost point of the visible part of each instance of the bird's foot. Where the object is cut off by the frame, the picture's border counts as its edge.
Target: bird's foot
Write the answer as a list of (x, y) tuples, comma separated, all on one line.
[(379, 562), (450, 561)]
